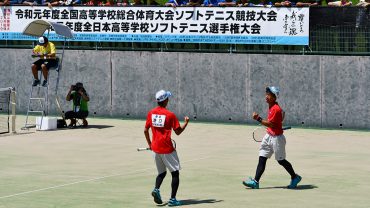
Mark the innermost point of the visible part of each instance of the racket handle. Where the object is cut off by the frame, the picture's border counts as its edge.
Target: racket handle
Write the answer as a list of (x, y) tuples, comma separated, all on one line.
[(286, 128), (143, 148)]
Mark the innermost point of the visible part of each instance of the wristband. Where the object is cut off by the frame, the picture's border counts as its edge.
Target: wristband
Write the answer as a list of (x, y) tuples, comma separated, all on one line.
[(259, 119)]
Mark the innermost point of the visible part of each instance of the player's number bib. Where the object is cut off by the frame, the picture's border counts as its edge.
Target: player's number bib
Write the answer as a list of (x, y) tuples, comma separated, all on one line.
[(158, 120)]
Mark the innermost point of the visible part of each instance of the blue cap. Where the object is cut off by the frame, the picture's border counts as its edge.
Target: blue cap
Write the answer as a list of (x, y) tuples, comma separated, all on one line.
[(274, 90), (162, 95)]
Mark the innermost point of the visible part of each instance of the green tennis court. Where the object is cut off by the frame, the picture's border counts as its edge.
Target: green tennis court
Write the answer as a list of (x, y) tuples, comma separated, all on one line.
[(99, 167)]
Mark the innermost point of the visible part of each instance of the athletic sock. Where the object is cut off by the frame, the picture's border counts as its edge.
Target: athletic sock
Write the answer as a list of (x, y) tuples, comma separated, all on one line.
[(260, 168), (159, 180), (288, 167), (175, 183)]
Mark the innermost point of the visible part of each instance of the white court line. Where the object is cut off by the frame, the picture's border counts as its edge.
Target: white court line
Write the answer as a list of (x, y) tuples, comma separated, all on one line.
[(88, 180)]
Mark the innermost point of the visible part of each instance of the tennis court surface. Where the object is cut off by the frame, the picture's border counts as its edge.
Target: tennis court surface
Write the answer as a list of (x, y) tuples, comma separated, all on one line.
[(99, 167)]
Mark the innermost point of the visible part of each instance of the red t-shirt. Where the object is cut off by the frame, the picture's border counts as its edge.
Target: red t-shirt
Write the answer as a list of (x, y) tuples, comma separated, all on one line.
[(275, 115), (161, 121)]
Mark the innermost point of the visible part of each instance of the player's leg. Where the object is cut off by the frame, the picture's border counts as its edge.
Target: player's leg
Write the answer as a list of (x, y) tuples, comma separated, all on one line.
[(172, 162), (159, 179), (254, 182), (35, 71), (265, 152), (279, 143), (295, 178), (35, 67), (70, 115), (45, 73), (288, 167), (260, 168), (83, 115), (175, 183), (161, 168)]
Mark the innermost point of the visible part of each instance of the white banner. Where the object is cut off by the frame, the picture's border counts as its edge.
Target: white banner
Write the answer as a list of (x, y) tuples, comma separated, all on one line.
[(224, 25)]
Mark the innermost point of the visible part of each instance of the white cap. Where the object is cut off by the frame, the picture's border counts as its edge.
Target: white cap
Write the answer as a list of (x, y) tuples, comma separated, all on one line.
[(162, 95), (274, 90), (41, 41)]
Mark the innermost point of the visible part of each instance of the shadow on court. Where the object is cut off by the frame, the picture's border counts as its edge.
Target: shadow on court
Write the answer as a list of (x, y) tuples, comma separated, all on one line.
[(16, 133), (97, 127), (300, 187), (199, 201), (87, 127), (193, 201)]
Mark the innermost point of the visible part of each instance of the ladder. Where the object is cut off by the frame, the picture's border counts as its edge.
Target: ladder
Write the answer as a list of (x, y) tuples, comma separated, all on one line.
[(41, 97)]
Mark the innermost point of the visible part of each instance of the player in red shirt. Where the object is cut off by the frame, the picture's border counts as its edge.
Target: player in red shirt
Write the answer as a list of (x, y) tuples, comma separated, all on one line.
[(161, 121), (273, 142)]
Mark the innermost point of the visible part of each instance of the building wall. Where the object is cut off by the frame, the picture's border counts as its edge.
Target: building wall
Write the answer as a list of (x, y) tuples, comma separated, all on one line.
[(318, 91)]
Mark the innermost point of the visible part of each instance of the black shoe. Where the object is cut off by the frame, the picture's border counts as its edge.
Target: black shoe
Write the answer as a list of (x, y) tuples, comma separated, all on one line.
[(44, 83), (35, 82)]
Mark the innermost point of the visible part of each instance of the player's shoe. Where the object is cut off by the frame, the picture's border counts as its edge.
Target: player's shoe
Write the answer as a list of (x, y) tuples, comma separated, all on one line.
[(35, 82), (173, 202), (85, 123), (251, 183), (44, 83), (294, 182), (157, 196)]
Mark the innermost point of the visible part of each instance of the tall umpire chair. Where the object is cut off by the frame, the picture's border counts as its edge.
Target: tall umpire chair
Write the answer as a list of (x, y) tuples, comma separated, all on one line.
[(42, 97), (37, 28)]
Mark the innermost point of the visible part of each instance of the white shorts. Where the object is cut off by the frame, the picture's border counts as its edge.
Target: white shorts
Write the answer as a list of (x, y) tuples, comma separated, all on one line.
[(273, 144), (170, 161)]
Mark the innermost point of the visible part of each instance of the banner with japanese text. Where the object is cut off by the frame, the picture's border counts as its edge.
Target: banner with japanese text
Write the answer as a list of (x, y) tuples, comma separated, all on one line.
[(222, 25)]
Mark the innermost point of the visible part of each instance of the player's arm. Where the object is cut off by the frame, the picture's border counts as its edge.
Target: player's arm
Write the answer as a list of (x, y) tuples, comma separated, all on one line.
[(147, 136), (69, 97), (262, 121), (84, 96), (36, 51), (52, 53), (180, 129)]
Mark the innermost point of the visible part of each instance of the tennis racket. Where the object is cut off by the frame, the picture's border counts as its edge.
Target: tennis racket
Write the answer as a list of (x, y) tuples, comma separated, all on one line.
[(260, 132), (147, 148), (143, 149)]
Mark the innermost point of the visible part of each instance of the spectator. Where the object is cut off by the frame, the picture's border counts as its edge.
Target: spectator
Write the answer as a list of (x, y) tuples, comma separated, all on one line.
[(137, 3), (286, 3), (152, 2), (32, 2), (364, 3), (227, 3), (194, 3), (211, 3), (47, 53), (362, 24), (309, 3), (50, 3), (14, 2), (110, 3), (342, 3), (5, 3), (70, 2), (263, 3), (94, 3), (121, 3), (176, 3), (79, 96)]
